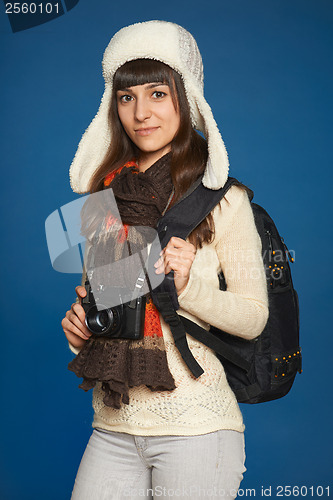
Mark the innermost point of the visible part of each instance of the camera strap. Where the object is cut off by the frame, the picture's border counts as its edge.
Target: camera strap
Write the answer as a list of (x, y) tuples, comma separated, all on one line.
[(139, 284)]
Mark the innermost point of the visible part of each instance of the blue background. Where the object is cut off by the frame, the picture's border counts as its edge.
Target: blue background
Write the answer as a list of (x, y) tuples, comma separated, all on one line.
[(268, 79)]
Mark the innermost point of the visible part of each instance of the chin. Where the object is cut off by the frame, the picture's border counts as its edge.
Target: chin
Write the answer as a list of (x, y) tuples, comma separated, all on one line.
[(146, 148)]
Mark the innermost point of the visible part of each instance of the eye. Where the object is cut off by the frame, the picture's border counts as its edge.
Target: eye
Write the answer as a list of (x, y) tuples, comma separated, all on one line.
[(158, 94), (125, 98)]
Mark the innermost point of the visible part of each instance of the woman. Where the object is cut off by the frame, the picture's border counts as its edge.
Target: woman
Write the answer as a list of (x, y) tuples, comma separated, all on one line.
[(161, 431)]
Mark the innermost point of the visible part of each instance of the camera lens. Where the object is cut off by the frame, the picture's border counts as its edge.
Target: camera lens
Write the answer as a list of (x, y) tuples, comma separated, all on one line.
[(101, 320)]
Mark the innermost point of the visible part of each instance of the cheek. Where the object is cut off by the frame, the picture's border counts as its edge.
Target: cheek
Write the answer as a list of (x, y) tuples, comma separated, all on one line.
[(173, 119), (169, 115), (175, 122)]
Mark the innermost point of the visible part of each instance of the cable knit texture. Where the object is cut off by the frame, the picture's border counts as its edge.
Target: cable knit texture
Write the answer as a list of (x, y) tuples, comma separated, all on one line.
[(206, 404)]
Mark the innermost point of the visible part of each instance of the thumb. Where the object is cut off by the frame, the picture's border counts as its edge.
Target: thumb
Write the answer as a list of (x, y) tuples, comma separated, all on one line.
[(80, 291)]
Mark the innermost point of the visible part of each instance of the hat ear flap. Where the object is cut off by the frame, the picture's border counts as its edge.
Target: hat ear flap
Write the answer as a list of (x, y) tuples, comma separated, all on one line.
[(93, 146), (217, 169)]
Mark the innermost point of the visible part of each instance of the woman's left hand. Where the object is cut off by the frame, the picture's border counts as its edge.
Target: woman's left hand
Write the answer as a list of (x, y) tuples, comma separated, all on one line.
[(178, 256)]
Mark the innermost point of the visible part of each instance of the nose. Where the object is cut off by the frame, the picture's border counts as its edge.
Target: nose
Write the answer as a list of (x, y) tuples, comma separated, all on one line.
[(142, 109)]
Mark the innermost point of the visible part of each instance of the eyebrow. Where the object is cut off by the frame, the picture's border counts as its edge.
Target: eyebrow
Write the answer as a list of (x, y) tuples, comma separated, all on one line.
[(151, 86)]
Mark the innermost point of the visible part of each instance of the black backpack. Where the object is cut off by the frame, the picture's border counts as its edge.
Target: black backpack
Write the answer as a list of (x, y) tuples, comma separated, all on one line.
[(257, 370)]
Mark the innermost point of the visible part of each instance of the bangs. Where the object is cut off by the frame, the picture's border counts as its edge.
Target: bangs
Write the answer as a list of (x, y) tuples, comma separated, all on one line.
[(140, 72)]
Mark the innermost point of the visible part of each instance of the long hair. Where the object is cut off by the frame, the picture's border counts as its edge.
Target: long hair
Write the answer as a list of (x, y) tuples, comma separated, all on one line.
[(189, 150)]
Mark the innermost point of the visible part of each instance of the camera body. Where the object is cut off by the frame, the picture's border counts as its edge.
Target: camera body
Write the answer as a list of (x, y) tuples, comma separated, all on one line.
[(123, 321)]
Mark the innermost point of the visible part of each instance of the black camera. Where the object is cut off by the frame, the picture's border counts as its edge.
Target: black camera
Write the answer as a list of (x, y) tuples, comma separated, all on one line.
[(122, 321)]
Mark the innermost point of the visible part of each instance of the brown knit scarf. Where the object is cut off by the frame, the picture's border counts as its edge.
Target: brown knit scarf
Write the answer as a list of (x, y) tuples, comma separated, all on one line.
[(122, 363)]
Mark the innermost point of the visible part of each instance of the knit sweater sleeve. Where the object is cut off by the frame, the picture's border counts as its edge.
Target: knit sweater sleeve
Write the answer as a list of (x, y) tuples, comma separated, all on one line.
[(242, 310)]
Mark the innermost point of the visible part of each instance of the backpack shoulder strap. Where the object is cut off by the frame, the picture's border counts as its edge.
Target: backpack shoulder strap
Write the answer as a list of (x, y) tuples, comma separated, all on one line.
[(187, 213), (180, 220)]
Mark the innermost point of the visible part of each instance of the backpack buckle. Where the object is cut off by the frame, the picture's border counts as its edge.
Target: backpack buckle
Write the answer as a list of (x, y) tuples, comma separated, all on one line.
[(172, 319)]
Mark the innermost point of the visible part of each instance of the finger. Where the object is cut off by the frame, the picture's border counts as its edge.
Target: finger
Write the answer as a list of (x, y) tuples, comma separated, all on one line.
[(180, 243), (78, 316), (78, 310), (159, 262), (179, 254), (80, 291), (70, 326), (75, 326), (176, 260), (173, 262), (179, 268), (183, 255), (160, 267), (188, 251)]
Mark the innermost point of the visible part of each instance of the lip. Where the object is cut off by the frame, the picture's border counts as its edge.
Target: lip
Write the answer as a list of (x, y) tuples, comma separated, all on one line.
[(145, 131)]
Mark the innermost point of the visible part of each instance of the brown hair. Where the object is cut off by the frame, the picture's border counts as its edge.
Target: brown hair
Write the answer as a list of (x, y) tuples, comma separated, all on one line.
[(189, 149)]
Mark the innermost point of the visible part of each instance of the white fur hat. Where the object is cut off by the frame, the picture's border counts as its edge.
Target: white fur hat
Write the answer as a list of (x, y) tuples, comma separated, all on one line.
[(173, 45)]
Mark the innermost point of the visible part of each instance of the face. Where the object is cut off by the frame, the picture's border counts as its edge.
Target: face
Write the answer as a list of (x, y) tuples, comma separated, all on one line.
[(149, 117)]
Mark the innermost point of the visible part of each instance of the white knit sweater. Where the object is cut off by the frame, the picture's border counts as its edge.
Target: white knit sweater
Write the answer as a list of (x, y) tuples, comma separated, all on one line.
[(206, 404)]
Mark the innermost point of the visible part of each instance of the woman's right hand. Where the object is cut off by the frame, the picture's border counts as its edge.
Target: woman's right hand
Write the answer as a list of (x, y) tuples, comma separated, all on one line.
[(73, 323)]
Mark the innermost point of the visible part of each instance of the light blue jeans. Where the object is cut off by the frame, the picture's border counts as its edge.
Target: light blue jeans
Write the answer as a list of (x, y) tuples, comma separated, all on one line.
[(121, 466)]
